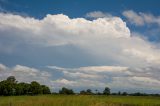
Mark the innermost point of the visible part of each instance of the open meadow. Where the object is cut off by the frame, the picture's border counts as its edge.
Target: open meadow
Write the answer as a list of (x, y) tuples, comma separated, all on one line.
[(79, 100)]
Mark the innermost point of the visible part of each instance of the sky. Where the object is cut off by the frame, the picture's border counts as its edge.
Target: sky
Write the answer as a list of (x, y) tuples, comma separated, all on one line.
[(82, 44)]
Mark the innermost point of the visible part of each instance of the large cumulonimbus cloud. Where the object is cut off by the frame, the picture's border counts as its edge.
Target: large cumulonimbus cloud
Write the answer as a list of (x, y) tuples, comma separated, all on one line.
[(119, 56)]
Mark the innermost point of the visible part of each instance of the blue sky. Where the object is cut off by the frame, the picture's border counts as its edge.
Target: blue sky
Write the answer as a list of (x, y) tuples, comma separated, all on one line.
[(78, 8), (82, 44)]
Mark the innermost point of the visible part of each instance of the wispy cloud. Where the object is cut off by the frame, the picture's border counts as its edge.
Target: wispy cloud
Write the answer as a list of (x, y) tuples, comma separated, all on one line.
[(97, 14), (140, 18)]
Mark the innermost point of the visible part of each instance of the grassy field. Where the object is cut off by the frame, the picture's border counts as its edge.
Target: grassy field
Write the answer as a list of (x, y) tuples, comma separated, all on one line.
[(79, 100)]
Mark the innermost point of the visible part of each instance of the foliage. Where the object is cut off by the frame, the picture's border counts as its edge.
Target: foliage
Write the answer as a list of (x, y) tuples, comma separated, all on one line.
[(45, 89), (11, 79), (35, 88), (66, 91), (12, 87), (87, 92), (106, 91)]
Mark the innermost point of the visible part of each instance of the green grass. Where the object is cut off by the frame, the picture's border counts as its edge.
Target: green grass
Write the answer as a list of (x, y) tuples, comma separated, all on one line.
[(79, 100)]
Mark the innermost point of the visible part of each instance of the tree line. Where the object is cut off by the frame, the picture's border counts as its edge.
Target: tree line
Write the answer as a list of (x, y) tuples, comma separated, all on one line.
[(106, 91), (10, 87), (84, 92)]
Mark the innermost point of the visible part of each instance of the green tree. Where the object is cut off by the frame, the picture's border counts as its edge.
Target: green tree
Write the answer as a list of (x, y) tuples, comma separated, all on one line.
[(22, 88), (66, 91), (83, 92), (11, 87), (11, 79), (124, 93), (26, 88), (96, 91), (35, 88), (89, 91), (119, 93), (106, 91), (7, 88), (45, 89), (19, 89)]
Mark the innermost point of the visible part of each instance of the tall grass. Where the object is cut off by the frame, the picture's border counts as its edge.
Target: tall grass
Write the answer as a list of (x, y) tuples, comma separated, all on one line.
[(79, 100)]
